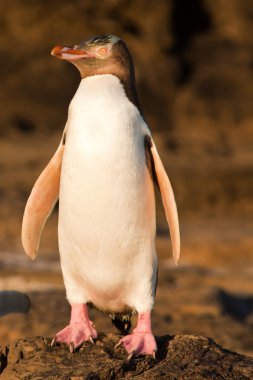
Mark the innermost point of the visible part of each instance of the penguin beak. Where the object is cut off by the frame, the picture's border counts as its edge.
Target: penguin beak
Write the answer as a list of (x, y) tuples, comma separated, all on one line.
[(70, 53)]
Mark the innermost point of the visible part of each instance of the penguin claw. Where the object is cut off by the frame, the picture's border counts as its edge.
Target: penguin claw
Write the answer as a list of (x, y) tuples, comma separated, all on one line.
[(91, 340), (130, 356), (154, 355), (52, 344), (71, 348), (117, 345)]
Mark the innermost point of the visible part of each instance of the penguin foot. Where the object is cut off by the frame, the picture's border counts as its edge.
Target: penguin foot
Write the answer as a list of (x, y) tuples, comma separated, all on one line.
[(75, 335), (141, 341), (80, 329), (139, 344)]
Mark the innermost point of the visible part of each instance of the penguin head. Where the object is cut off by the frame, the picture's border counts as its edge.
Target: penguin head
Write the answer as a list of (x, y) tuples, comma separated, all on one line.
[(103, 54)]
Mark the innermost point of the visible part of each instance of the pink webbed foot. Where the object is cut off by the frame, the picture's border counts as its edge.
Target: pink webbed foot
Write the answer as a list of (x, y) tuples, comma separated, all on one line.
[(79, 330), (139, 344), (141, 341)]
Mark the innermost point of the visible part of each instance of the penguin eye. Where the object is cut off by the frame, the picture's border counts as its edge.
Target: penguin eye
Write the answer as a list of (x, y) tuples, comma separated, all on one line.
[(103, 51)]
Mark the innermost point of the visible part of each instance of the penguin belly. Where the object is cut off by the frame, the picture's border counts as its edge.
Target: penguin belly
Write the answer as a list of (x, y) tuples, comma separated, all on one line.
[(106, 204)]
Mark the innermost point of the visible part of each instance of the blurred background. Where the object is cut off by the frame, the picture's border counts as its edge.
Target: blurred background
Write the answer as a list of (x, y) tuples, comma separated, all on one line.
[(194, 69)]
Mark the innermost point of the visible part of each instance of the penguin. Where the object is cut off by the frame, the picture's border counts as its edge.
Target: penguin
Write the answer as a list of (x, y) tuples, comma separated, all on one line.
[(103, 174)]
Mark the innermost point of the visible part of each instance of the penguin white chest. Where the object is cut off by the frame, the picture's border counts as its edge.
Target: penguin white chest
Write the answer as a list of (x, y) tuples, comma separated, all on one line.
[(107, 209)]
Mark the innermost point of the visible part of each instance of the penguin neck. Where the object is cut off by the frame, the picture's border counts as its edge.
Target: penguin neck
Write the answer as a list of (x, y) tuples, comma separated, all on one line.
[(131, 91), (128, 82)]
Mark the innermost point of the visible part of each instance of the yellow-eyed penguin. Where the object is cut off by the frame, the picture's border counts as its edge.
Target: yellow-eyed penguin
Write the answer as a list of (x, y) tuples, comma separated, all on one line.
[(103, 173)]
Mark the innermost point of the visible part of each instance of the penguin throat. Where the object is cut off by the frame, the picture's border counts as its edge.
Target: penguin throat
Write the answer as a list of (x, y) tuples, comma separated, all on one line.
[(127, 79)]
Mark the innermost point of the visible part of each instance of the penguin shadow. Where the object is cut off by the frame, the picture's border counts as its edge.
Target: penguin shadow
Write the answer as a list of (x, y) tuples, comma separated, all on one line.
[(13, 302), (238, 307)]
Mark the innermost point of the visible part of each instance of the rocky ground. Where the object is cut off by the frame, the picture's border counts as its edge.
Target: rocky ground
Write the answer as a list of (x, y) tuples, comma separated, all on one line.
[(179, 357)]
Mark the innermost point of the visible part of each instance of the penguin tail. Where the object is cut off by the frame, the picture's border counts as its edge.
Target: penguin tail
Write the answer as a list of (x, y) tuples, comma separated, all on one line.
[(122, 322)]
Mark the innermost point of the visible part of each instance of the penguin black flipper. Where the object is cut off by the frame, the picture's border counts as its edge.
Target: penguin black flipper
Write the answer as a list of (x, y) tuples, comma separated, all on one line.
[(159, 176), (41, 202)]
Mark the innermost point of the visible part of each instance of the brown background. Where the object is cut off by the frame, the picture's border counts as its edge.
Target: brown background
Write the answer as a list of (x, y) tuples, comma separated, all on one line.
[(194, 68)]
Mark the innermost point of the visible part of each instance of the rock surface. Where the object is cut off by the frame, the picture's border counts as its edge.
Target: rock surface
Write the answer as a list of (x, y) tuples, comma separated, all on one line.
[(178, 357)]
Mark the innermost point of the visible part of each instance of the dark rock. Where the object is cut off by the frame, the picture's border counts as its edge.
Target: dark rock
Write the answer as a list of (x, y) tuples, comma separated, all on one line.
[(13, 302), (237, 306), (23, 124), (3, 361), (178, 357)]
